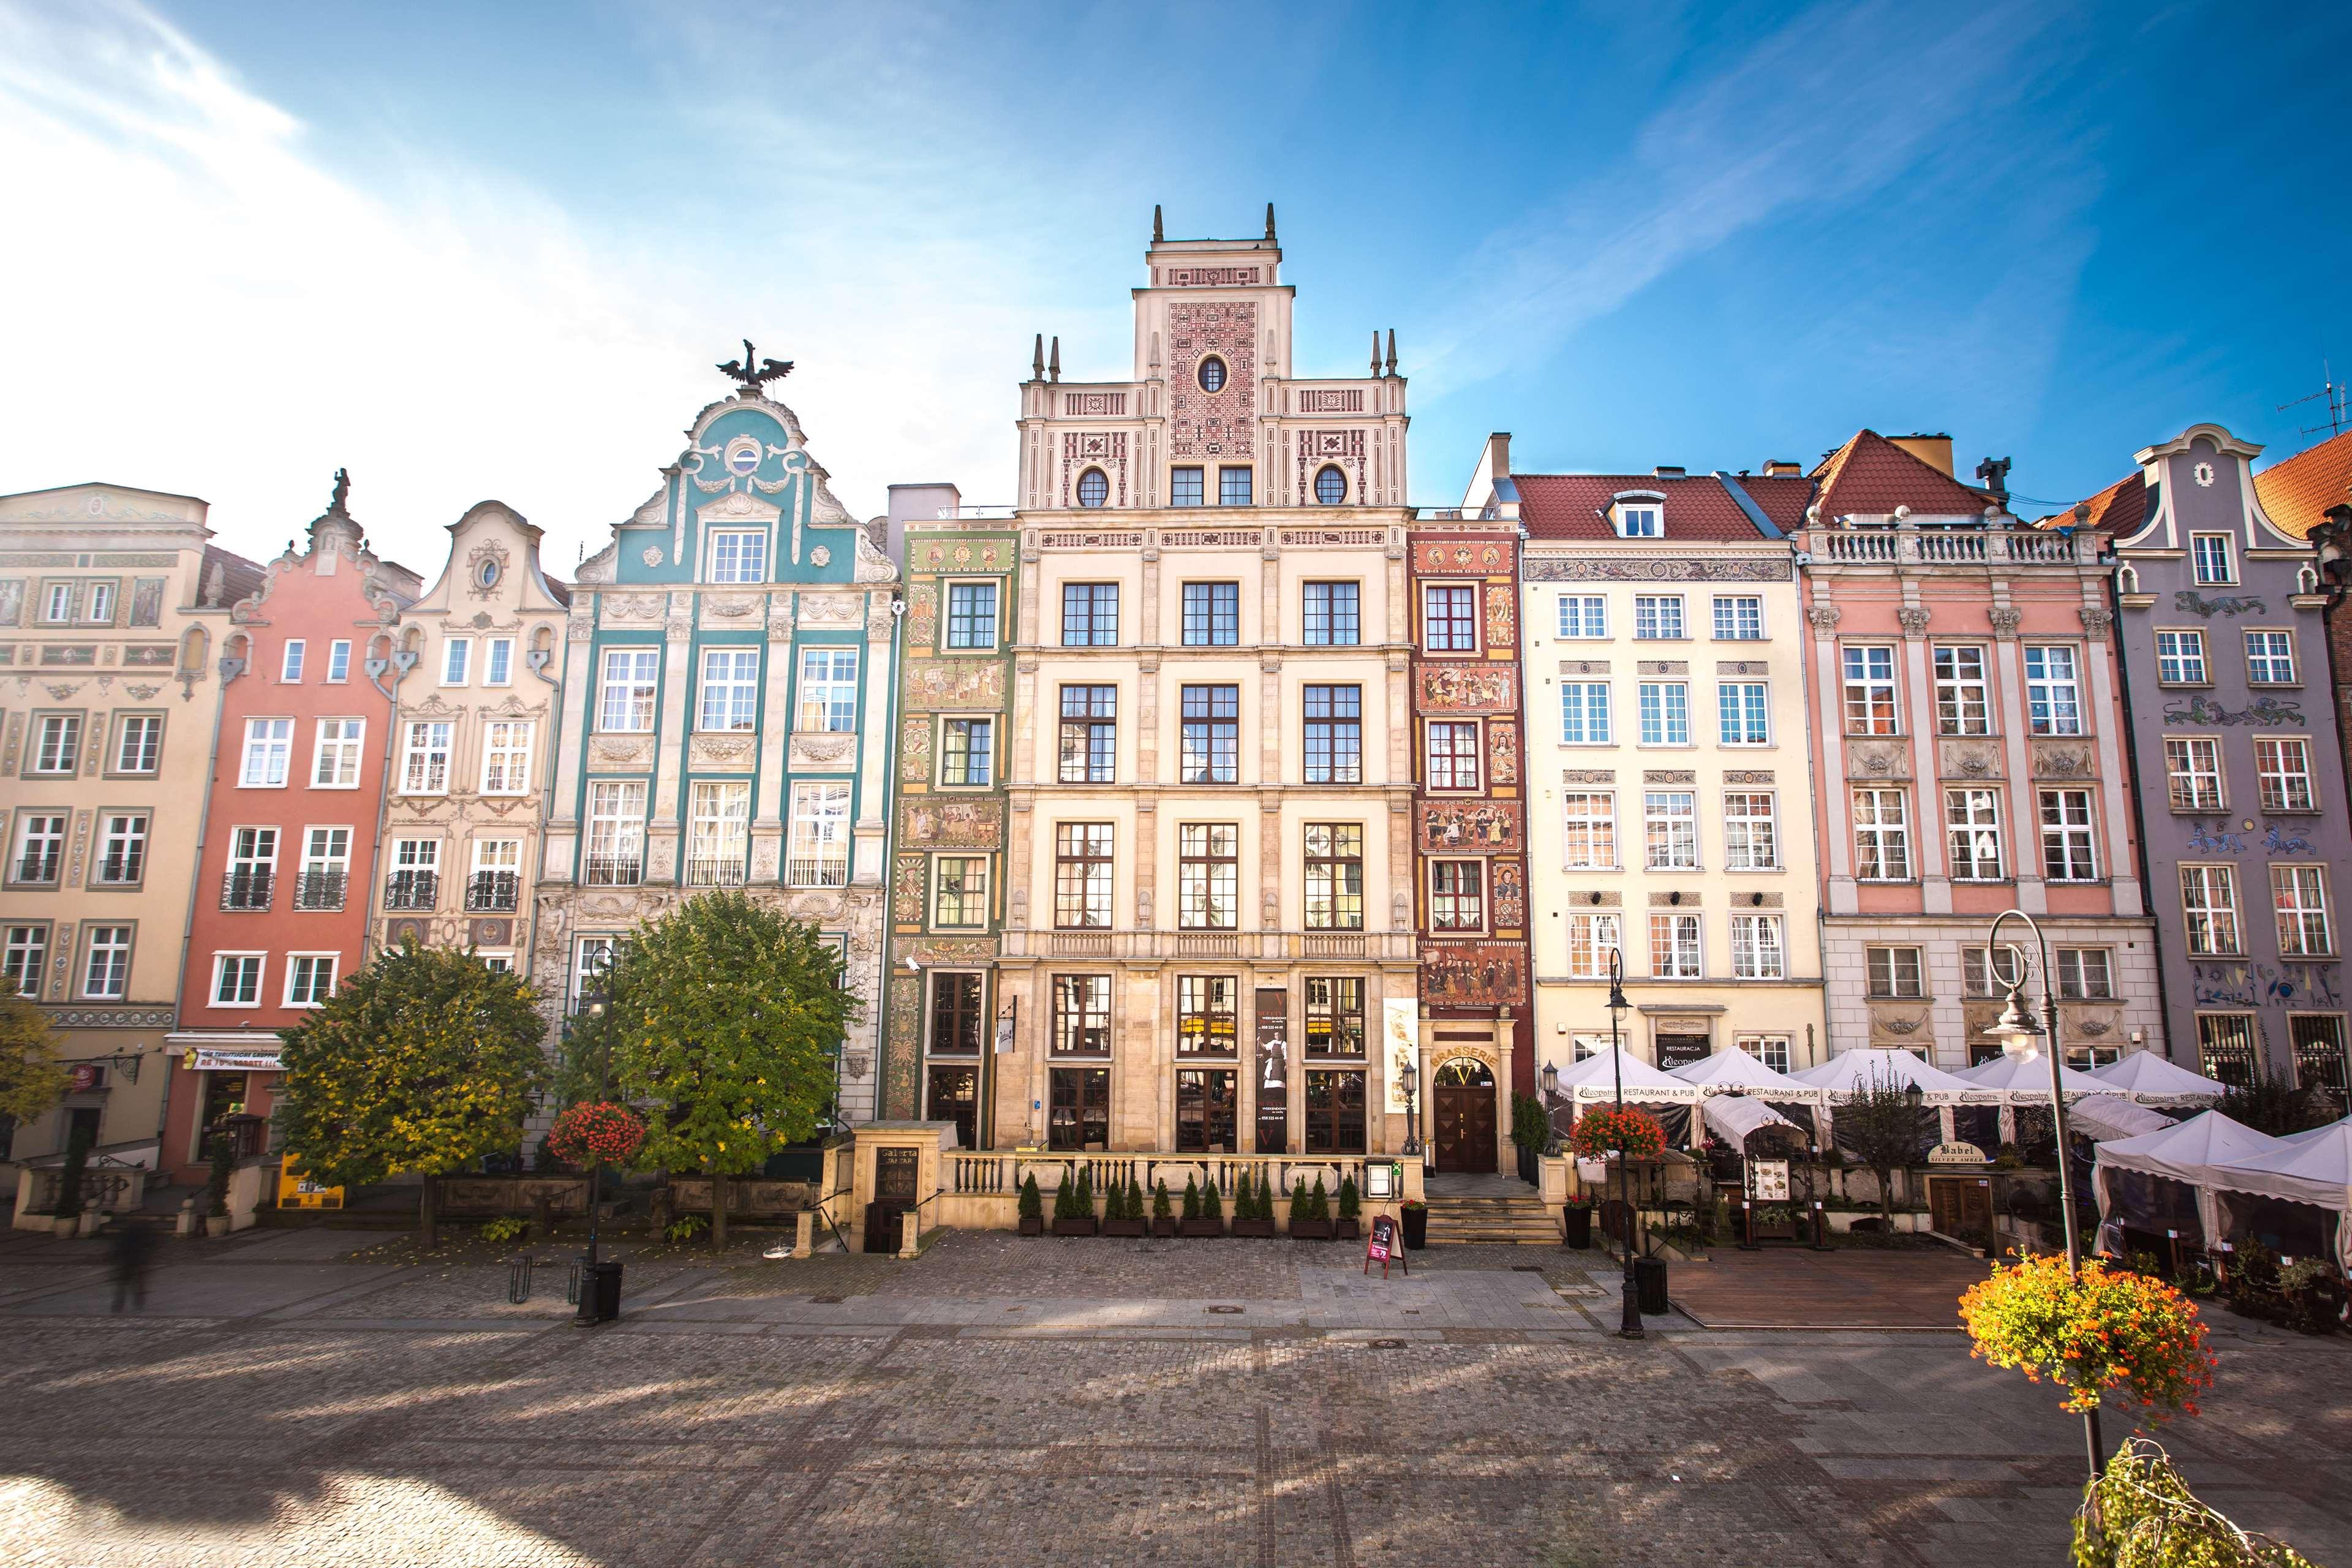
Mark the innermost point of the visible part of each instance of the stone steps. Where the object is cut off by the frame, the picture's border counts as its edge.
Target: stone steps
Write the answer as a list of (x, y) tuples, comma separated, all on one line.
[(1495, 1221)]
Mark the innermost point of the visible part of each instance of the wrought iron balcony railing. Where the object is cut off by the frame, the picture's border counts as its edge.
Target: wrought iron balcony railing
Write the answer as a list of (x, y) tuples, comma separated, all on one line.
[(412, 890), (247, 889), (321, 889), (493, 892)]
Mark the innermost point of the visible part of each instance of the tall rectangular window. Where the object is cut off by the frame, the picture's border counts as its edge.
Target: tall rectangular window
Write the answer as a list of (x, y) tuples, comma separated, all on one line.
[(237, 979), (2270, 658), (24, 949), (106, 967), (1334, 1113), (138, 742), (1081, 1015), (289, 663), (1869, 690), (739, 557), (1751, 837), (966, 752), (2225, 1043), (325, 870), (1335, 734), (1591, 938), (99, 611), (1208, 876), (1082, 876), (960, 891), (632, 676), (1457, 895), (2192, 771), (2318, 1041), (2208, 907), (1657, 617), (2068, 852), (1881, 835), (1089, 615), (730, 689), (1079, 1105), (425, 757), (719, 832), (1670, 836), (58, 746), (2054, 691), (506, 756), (2299, 895), (339, 660), (266, 743), (1738, 617), (2211, 554), (416, 879), (2085, 975), (336, 752), (58, 603), (1673, 947), (1972, 825), (1589, 831), (40, 847), (1665, 713), (1185, 487), (828, 695), (498, 661), (1745, 711), (1895, 973), (616, 832), (1089, 734), (1963, 706), (2180, 659), (1449, 618), (1584, 713), (122, 848), (1210, 736), (957, 1025), (971, 614), (1450, 749), (1583, 616), (309, 979), (457, 660), (1233, 487), (1212, 614), (819, 854), (1206, 1015), (1333, 616), (2282, 769), (1757, 951), (1335, 1016)]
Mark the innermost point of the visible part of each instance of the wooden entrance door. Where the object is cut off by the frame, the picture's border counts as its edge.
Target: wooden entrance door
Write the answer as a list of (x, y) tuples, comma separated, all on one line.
[(1465, 1114), (896, 1171), (1960, 1205)]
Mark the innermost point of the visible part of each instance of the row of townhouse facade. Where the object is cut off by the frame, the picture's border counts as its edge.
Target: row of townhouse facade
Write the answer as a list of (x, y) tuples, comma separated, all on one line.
[(1210, 796)]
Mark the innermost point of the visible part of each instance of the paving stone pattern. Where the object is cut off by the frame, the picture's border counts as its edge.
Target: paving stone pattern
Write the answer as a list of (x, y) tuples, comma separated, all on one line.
[(1054, 1401)]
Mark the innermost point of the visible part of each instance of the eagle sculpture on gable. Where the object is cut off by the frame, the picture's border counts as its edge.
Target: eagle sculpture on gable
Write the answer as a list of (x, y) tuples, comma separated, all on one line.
[(751, 380)]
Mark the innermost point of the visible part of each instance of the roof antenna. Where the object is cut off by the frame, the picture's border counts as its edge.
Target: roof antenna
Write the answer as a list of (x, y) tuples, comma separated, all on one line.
[(1269, 222), (2339, 412), (1158, 232)]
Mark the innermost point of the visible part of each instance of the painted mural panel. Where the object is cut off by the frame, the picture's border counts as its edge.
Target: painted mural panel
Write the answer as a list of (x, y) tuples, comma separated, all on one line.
[(1468, 688), (1474, 975), (1450, 826)]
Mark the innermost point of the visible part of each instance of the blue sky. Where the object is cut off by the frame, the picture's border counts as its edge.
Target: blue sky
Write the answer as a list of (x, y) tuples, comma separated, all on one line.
[(493, 250)]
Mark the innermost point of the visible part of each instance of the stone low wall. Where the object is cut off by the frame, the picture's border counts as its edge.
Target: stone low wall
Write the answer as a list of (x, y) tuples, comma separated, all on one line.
[(748, 1197), (487, 1197)]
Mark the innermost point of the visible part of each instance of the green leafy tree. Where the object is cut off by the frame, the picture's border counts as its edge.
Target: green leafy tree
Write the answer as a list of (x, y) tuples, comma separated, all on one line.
[(32, 1080), (2274, 1105), (421, 1063), (727, 1017)]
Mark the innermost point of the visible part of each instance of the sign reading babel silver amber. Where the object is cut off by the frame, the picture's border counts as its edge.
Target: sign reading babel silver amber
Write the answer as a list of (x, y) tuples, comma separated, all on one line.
[(727, 711)]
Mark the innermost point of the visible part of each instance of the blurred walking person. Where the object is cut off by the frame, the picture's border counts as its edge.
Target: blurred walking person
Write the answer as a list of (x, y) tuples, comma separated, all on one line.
[(134, 1252)]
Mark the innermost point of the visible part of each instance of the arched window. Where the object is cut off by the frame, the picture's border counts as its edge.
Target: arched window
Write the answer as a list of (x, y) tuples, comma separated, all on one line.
[(1093, 487), (1212, 375), (1330, 485)]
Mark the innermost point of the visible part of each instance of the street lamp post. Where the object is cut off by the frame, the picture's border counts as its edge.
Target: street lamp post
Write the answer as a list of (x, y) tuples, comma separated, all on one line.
[(605, 1093), (2023, 1038), (1629, 1321)]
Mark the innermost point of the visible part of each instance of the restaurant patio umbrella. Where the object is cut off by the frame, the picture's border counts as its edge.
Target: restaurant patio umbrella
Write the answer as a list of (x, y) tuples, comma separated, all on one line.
[(2149, 1077), (1595, 1078), (1733, 1070), (1850, 1072)]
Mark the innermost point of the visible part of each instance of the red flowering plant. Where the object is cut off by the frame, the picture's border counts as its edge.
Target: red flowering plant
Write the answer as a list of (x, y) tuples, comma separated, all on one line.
[(2110, 1328), (596, 1132), (1634, 1133)]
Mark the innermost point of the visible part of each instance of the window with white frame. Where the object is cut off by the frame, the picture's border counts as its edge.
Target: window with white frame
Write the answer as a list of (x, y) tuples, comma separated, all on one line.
[(1751, 831), (592, 961), (1583, 616), (40, 847), (2068, 852), (1640, 519), (2270, 658), (1895, 972), (138, 742), (2282, 769), (498, 662), (2192, 771), (730, 689), (2053, 689), (99, 610), (2085, 975), (1772, 1050), (457, 660), (289, 667), (1451, 756), (967, 751), (339, 660), (1972, 834), (496, 962), (1457, 895), (266, 743), (416, 879), (2211, 554), (425, 757), (106, 963), (335, 753), (737, 556), (1591, 938), (325, 871), (237, 979), (24, 949), (1584, 713), (2180, 659), (1881, 835), (1664, 707), (57, 746), (1757, 951), (820, 829), (1869, 690), (960, 891), (506, 756), (718, 830), (1669, 830), (616, 832), (1738, 617), (971, 614), (1657, 617), (1673, 946), (1588, 830), (1449, 618), (121, 850), (632, 678), (57, 605), (2299, 895), (828, 695), (1744, 712), (2208, 907), (309, 978), (1962, 704)]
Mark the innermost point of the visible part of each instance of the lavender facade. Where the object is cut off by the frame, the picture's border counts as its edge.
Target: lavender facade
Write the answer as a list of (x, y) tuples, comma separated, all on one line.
[(2239, 764)]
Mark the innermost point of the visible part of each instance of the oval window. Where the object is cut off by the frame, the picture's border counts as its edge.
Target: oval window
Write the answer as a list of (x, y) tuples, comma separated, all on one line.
[(488, 574), (1330, 486), (1212, 375), (1093, 487)]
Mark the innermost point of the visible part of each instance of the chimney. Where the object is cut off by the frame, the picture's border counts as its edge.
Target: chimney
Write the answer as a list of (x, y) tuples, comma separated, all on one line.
[(1934, 450), (1668, 471), (1780, 468)]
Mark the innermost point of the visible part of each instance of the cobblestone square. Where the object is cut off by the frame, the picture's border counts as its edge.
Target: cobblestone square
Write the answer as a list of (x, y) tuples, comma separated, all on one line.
[(1082, 1402)]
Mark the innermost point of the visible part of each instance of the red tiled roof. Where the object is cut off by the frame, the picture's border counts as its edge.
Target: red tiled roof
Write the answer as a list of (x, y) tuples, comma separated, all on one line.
[(1870, 475), (2297, 491), (2119, 510), (1571, 506), (1783, 498)]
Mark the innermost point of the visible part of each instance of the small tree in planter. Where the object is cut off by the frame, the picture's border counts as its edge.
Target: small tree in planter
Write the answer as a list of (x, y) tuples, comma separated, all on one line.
[(1211, 1220), (1191, 1200), (1033, 1207), (1070, 1216), (2107, 1329), (1310, 1213), (1163, 1222), (1346, 1227), (1252, 1210), (1124, 1214)]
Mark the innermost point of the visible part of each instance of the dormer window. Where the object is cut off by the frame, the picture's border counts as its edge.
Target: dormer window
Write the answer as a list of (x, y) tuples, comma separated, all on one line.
[(2211, 554), (1641, 518), (1093, 487), (739, 557)]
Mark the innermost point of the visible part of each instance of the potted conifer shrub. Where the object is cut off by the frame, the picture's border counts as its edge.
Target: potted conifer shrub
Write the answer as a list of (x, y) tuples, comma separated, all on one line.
[(1310, 1213), (1204, 1209), (1346, 1227), (1033, 1207), (1074, 1205), (1123, 1214), (1415, 1214), (223, 1168), (1164, 1224), (1254, 1207)]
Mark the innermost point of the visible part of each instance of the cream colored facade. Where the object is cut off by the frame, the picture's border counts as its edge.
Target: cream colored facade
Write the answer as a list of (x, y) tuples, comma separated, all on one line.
[(476, 677), (112, 606), (1201, 936)]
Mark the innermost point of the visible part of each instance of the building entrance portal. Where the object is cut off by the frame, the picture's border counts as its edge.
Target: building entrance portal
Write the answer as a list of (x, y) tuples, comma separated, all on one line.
[(1465, 1112)]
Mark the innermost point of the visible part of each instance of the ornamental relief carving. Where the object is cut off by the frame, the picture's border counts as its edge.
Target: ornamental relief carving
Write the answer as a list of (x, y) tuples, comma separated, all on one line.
[(618, 752), (732, 607), (726, 752), (1970, 759), (1824, 619), (1899, 1025), (2063, 761), (1913, 619), (1604, 570), (825, 750), (1878, 760), (831, 609), (641, 608)]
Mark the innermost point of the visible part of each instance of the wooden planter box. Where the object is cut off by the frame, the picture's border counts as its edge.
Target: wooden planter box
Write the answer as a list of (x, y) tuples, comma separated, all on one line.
[(1784, 1231), (1347, 1230), (1254, 1227), (1201, 1227), (1075, 1226), (1310, 1230), (1164, 1227), (1033, 1224), (1123, 1226)]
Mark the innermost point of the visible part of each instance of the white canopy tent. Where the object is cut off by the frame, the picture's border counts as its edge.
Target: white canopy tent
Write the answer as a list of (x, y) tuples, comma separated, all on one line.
[(2313, 1167), (2101, 1116), (2027, 1080), (2187, 1153), (1735, 1116), (1850, 1073), (1595, 1078), (1733, 1071), (2148, 1078)]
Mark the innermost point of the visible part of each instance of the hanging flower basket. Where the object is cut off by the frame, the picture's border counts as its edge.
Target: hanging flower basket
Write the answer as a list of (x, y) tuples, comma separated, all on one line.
[(596, 1132), (2108, 1331), (1635, 1134)]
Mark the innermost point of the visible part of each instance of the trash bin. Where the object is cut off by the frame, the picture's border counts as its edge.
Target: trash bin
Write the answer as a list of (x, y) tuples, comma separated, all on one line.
[(1416, 1226), (1650, 1286), (600, 1292)]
